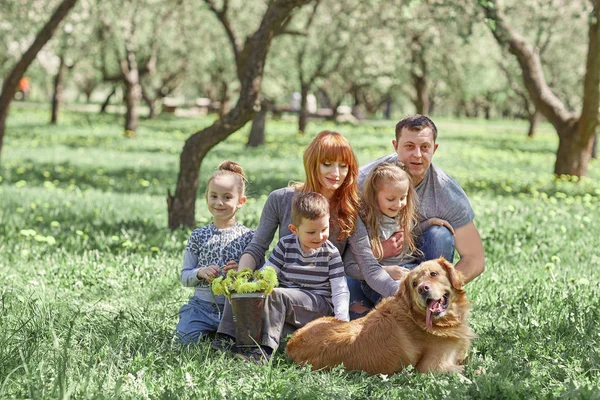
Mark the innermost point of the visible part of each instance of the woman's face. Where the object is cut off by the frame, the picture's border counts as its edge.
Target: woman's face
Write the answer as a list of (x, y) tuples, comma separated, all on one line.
[(331, 176)]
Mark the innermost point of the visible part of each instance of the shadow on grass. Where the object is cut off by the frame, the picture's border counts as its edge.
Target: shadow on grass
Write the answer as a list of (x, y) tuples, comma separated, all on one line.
[(151, 181), (516, 189)]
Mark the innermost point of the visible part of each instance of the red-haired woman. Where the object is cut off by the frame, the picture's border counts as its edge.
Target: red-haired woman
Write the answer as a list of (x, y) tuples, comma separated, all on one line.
[(331, 169)]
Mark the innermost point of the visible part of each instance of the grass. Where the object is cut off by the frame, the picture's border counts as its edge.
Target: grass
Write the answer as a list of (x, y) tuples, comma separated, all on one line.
[(89, 271)]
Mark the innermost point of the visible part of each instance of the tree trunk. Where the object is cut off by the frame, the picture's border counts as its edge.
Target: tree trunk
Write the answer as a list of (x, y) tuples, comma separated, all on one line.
[(88, 95), (257, 132), (303, 112), (150, 102), (223, 99), (58, 89), (595, 147), (107, 101), (182, 205), (334, 111), (388, 107), (11, 82), (133, 93), (572, 156), (419, 76), (422, 95), (534, 119)]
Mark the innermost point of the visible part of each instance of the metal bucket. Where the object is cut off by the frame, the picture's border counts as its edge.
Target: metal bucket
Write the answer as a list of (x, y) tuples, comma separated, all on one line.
[(247, 315)]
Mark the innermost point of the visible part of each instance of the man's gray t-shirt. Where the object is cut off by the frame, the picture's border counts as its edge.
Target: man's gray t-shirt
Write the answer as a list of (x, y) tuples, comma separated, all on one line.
[(439, 195)]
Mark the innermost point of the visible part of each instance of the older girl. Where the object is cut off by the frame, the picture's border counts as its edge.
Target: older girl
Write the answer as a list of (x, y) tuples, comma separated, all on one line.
[(211, 250)]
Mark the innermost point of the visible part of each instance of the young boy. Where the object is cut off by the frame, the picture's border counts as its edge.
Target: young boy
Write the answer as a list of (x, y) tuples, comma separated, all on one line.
[(311, 278)]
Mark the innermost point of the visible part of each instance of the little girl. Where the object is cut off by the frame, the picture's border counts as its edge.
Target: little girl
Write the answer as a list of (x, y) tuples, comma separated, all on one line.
[(213, 250), (388, 206)]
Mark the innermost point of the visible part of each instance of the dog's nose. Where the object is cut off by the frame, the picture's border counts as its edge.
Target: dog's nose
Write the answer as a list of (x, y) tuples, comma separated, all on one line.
[(423, 289)]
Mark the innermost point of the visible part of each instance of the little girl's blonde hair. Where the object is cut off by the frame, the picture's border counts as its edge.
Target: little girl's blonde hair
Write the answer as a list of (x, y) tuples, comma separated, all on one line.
[(230, 168), (370, 212)]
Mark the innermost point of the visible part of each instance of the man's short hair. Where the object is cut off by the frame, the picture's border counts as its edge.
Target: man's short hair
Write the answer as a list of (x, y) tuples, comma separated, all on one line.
[(416, 122), (309, 205)]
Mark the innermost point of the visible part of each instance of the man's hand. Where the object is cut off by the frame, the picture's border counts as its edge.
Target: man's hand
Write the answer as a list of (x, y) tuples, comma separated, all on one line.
[(440, 222), (208, 273), (393, 246)]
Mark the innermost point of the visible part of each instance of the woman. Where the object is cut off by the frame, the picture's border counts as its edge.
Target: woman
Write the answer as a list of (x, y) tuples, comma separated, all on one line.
[(331, 170)]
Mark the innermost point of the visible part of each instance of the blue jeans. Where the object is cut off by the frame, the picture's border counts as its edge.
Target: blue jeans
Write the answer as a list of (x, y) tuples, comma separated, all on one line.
[(197, 318), (358, 296), (437, 241)]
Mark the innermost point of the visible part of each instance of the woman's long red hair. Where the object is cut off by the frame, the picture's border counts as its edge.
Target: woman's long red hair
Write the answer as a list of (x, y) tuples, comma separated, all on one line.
[(343, 205)]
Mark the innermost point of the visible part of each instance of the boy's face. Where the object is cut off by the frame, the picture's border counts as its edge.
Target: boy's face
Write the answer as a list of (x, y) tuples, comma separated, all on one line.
[(312, 233)]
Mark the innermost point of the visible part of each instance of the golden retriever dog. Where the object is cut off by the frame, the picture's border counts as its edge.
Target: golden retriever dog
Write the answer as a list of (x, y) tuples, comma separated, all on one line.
[(424, 325)]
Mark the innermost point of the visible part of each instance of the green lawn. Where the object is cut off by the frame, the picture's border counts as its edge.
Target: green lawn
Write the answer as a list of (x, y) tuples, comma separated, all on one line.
[(89, 271)]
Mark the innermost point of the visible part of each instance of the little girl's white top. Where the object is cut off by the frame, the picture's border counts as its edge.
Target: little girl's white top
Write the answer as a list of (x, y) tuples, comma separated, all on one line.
[(387, 227)]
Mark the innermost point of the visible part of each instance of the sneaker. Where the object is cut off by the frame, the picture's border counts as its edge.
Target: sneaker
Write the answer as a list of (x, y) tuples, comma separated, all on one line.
[(224, 343), (256, 355)]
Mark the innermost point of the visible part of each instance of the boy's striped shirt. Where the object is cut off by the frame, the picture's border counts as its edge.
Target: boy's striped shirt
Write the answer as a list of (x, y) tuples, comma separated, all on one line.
[(311, 271)]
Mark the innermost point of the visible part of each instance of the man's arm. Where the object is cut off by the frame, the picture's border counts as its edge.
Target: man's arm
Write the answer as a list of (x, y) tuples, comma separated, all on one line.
[(468, 245)]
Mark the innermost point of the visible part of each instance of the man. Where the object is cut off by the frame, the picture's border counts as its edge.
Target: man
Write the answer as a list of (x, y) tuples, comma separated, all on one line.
[(439, 196)]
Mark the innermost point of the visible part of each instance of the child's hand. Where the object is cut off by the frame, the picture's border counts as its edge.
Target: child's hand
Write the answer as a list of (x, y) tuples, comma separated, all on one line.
[(209, 273), (396, 272), (230, 265), (441, 222)]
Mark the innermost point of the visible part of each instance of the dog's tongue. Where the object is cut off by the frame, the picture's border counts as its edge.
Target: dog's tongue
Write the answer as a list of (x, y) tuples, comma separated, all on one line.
[(433, 306)]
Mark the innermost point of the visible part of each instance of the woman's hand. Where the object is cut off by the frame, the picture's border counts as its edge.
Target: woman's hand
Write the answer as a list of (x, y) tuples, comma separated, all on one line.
[(208, 273)]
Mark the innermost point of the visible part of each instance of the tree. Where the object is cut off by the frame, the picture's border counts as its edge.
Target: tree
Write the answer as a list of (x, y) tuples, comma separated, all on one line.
[(575, 132), (250, 60), (11, 82), (133, 47)]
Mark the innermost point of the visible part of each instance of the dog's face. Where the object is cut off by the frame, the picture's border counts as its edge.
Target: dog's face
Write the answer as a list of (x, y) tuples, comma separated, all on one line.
[(434, 289)]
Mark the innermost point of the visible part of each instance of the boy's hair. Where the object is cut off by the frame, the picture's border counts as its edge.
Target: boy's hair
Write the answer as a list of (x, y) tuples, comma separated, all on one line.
[(309, 205), (232, 169), (416, 122), (370, 212)]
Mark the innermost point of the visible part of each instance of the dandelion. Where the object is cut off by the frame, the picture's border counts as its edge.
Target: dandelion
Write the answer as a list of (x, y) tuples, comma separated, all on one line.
[(245, 281), (188, 380)]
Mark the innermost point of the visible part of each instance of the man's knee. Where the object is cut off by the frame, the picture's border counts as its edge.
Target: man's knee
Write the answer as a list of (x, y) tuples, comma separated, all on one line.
[(437, 241), (439, 234)]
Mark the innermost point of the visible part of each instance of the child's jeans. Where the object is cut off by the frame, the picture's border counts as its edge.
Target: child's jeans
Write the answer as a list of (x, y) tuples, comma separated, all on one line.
[(197, 318)]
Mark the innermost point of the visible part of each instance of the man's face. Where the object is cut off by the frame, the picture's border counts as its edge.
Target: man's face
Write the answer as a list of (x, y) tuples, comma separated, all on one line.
[(415, 149)]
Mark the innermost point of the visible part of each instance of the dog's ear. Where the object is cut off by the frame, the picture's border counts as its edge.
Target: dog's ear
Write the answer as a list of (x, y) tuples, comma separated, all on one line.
[(455, 277), (404, 290)]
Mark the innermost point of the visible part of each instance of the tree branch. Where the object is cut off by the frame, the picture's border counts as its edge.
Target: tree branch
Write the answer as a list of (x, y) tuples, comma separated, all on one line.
[(221, 14), (539, 91)]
